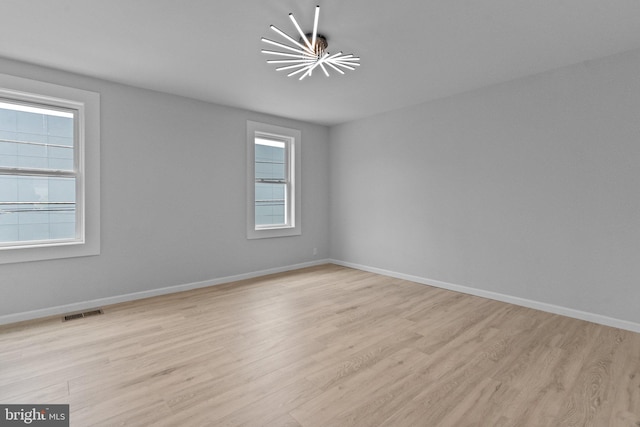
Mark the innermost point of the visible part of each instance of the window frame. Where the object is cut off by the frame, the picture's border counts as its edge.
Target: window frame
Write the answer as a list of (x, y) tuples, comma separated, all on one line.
[(292, 139), (86, 109), (286, 181)]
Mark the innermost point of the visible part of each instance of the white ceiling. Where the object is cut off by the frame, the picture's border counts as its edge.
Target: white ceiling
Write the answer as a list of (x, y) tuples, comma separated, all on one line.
[(412, 50)]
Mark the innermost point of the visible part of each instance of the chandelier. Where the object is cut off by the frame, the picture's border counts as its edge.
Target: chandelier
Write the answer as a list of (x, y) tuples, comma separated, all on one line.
[(309, 52)]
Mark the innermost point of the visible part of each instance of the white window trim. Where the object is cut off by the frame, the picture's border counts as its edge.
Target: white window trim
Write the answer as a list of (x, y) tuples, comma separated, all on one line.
[(87, 105), (293, 138)]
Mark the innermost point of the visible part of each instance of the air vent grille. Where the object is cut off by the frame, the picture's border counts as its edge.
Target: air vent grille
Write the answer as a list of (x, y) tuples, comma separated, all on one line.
[(82, 315)]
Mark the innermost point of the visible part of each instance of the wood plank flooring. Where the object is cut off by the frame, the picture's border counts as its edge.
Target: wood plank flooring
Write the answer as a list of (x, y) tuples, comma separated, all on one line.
[(324, 346)]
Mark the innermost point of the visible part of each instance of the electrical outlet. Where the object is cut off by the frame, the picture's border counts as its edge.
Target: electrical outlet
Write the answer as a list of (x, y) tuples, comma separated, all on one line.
[(315, 251)]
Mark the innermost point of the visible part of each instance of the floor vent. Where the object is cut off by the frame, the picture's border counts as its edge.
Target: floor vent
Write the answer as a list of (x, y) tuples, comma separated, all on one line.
[(81, 315)]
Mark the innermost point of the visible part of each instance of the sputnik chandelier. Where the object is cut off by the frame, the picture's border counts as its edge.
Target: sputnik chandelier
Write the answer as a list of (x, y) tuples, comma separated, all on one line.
[(308, 53)]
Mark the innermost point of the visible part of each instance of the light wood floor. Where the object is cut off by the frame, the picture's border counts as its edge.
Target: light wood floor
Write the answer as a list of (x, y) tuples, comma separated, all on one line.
[(325, 346)]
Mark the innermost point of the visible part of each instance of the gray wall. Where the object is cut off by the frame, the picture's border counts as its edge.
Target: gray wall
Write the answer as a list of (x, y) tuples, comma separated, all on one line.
[(527, 189), (173, 200)]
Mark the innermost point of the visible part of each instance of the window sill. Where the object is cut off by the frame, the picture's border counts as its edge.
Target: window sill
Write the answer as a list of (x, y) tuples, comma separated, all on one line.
[(265, 233)]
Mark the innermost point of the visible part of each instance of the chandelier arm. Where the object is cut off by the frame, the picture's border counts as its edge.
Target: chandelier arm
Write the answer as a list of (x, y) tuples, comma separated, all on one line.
[(334, 67), (284, 46), (335, 55), (348, 67), (326, 73), (291, 39), (299, 71), (291, 67), (302, 35), (353, 64), (315, 26), (347, 58), (313, 66), (288, 55), (351, 60), (309, 71), (289, 61)]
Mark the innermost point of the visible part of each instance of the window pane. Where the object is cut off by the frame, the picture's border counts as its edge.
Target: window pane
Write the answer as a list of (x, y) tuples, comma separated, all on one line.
[(270, 204), (37, 208), (33, 137), (270, 159)]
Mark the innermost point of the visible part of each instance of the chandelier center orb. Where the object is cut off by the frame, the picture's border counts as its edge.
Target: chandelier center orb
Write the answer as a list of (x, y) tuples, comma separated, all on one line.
[(320, 46)]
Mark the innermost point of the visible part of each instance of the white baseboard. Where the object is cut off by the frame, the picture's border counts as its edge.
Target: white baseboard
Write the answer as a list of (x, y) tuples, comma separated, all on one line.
[(550, 308), (101, 302)]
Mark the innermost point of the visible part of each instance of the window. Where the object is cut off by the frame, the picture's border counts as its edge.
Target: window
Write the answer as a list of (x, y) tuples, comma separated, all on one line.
[(273, 181), (49, 201)]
